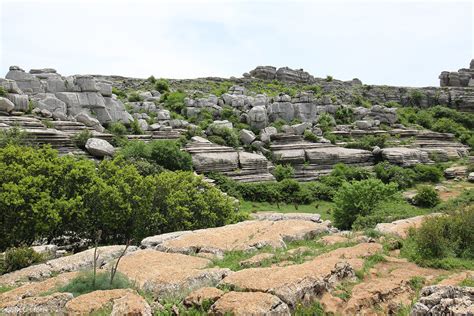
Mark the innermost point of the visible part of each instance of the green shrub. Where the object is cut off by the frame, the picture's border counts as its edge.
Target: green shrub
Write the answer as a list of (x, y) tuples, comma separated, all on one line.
[(134, 97), (80, 139), (349, 173), (426, 196), (165, 153), (310, 136), (329, 78), (424, 118), (283, 172), (173, 101), (135, 127), (368, 142), (447, 125), (359, 100), (326, 122), (386, 212), (228, 135), (344, 115), (119, 93), (162, 85), (359, 198), (84, 283), (13, 136), (151, 79), (19, 258), (403, 177), (441, 238), (119, 131), (416, 98), (321, 191), (427, 173), (3, 92), (278, 124), (392, 104)]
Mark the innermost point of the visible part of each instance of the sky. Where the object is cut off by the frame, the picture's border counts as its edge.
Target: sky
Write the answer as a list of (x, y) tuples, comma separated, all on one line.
[(404, 43)]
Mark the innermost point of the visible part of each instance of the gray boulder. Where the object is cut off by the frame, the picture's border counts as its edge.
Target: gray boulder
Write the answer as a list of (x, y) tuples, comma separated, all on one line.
[(300, 128), (99, 147), (6, 105), (246, 136), (444, 300), (86, 83), (403, 156), (257, 117), (90, 121), (266, 133), (163, 115), (28, 83), (20, 101), (264, 72)]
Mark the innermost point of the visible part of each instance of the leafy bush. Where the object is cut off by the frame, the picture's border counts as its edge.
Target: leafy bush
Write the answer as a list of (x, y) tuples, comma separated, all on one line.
[(165, 153), (416, 97), (403, 177), (443, 241), (426, 196), (84, 283), (119, 131), (283, 172), (80, 139), (359, 198), (310, 136), (368, 142), (228, 135), (326, 122), (359, 100), (162, 85), (173, 101), (151, 79), (135, 127), (349, 173), (13, 136), (329, 78), (134, 97), (3, 92), (427, 173), (119, 93), (344, 115), (19, 258)]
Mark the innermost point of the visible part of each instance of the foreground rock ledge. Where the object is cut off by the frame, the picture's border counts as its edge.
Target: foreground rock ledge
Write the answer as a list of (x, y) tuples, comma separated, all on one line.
[(245, 236)]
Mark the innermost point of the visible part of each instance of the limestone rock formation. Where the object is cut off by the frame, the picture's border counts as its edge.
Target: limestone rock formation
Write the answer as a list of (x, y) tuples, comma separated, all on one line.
[(444, 300), (462, 78), (99, 147), (401, 227), (242, 303)]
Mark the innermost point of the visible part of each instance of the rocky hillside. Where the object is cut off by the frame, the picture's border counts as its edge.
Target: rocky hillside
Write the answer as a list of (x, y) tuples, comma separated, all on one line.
[(242, 127), (275, 264)]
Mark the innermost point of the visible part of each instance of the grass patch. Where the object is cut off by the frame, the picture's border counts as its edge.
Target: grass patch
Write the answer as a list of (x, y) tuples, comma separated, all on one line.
[(4, 288), (369, 263), (467, 282), (232, 259), (315, 309), (323, 208), (83, 283)]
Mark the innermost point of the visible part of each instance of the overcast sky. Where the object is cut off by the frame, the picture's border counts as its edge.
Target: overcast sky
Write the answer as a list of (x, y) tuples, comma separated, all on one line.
[(380, 42)]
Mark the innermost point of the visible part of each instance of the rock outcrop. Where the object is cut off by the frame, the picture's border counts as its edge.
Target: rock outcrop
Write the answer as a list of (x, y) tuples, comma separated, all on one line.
[(444, 300), (464, 77)]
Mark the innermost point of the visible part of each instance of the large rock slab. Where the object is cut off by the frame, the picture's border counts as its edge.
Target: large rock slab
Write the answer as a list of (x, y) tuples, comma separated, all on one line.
[(6, 105), (78, 261), (405, 157), (123, 302), (245, 303), (294, 283), (245, 236), (42, 305), (169, 273), (333, 155), (401, 227)]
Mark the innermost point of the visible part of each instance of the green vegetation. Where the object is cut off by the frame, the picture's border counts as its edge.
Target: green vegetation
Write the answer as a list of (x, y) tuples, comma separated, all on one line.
[(84, 283), (310, 136), (173, 101), (224, 136), (444, 241), (283, 172), (426, 196), (119, 93), (165, 153), (19, 258), (80, 139), (359, 198), (3, 92), (43, 195), (134, 97), (162, 85), (368, 142), (344, 115), (13, 136)]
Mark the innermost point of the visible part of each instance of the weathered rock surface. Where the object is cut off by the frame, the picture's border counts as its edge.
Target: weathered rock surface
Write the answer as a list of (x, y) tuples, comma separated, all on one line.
[(255, 303), (169, 273), (405, 157), (41, 305), (444, 300), (295, 283), (79, 261), (401, 227), (246, 236)]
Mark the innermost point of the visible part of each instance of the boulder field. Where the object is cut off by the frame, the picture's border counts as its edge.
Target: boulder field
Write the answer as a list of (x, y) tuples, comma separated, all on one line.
[(289, 261)]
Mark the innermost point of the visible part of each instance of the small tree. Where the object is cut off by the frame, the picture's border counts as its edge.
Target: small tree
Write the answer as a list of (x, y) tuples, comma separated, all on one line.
[(113, 271), (283, 172), (426, 196), (96, 256)]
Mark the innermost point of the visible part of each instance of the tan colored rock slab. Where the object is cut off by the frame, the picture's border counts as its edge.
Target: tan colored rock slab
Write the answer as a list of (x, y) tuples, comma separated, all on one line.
[(199, 296), (295, 282), (169, 273), (273, 216), (256, 260), (400, 228), (43, 305), (78, 261), (245, 236), (122, 301), (249, 303), (333, 239), (35, 289)]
